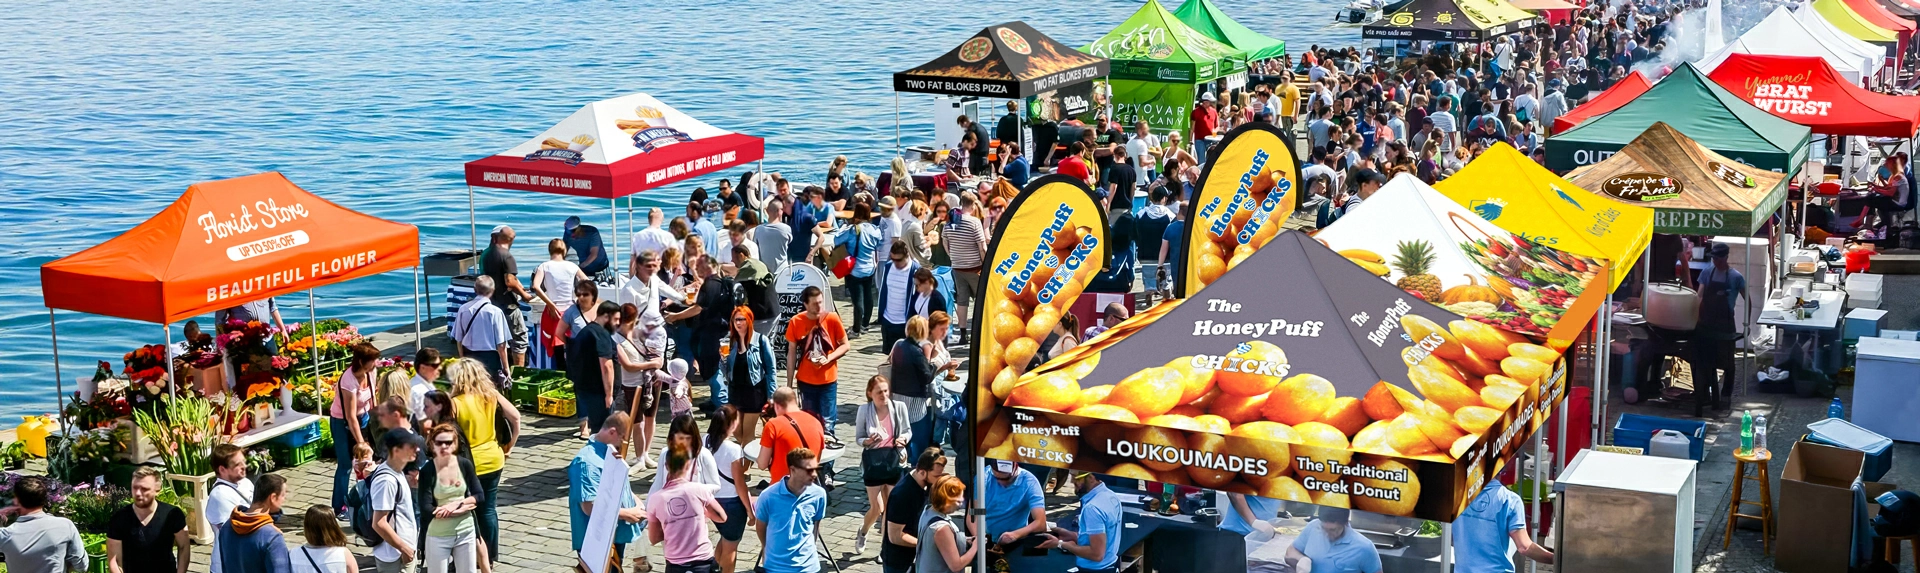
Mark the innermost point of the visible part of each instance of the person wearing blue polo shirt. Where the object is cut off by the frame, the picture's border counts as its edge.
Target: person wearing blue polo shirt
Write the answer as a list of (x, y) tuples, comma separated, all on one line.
[(1243, 514), (788, 513), (1481, 535), (1331, 547), (1015, 506), (583, 477), (1096, 547)]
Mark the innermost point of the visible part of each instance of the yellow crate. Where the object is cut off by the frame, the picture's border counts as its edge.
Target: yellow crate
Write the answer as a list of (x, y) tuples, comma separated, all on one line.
[(557, 407)]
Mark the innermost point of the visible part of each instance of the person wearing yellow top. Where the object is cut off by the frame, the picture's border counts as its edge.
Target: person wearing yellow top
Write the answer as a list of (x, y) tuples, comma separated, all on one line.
[(475, 404), (1289, 101)]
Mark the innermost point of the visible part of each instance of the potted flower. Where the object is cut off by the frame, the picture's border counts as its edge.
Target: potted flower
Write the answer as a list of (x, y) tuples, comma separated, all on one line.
[(146, 371), (13, 456)]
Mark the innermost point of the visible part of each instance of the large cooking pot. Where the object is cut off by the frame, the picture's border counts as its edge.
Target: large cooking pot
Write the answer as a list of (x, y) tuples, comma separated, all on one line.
[(1672, 306)]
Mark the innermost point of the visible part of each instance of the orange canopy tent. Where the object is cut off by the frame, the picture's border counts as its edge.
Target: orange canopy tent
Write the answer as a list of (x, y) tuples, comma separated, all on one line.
[(1880, 16), (224, 243), (1624, 91), (220, 245)]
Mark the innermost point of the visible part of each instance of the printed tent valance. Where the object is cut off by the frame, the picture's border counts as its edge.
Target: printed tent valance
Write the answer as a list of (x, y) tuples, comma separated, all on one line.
[(614, 148), (1010, 60), (223, 243)]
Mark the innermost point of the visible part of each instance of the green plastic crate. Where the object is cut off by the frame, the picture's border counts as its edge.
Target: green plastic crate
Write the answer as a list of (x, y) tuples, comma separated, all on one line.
[(290, 457), (526, 391)]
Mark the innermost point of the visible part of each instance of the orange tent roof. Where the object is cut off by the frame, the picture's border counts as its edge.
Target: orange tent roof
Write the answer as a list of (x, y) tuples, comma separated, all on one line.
[(224, 243), (1624, 91)]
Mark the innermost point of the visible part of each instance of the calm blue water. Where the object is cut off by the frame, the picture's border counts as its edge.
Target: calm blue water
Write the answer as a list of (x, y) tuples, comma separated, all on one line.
[(108, 110)]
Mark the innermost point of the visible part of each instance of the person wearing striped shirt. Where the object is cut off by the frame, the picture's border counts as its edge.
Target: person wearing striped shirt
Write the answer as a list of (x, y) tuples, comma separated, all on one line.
[(966, 242)]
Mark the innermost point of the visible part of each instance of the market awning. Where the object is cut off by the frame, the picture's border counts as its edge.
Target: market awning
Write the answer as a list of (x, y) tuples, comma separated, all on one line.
[(1538, 5), (1807, 91), (1010, 60), (1779, 34), (1622, 92), (1690, 102), (1693, 190), (224, 243), (1510, 190), (1844, 17), (1206, 17), (1873, 11), (1450, 20), (1154, 45), (1901, 8), (1834, 37), (614, 148)]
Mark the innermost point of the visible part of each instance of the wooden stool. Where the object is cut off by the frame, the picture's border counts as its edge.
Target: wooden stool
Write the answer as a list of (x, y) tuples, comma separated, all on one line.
[(1893, 548), (1759, 459)]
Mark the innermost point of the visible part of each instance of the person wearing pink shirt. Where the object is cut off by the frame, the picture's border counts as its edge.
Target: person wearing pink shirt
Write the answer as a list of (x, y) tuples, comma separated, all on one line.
[(678, 517)]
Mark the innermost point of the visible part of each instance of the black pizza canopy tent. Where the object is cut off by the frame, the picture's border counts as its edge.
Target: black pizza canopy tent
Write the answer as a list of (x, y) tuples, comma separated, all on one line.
[(1006, 61), (1450, 20)]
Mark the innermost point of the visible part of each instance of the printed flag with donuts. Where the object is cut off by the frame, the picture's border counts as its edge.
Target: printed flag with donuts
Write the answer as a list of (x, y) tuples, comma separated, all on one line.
[(1248, 190)]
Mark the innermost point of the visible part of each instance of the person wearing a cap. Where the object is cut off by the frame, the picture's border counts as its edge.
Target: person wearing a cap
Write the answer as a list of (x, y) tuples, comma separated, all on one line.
[(584, 241), (1016, 508), (1330, 546), (1096, 545), (394, 520), (1720, 285), (1370, 181), (1206, 119)]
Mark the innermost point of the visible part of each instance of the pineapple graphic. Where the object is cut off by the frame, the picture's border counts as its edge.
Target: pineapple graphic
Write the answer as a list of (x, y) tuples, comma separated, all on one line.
[(1413, 260)]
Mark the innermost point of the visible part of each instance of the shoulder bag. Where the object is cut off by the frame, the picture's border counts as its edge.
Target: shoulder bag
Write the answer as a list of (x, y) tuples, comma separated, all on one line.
[(887, 462)]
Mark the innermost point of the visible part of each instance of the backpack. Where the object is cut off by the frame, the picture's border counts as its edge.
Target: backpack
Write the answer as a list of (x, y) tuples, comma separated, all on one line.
[(360, 499)]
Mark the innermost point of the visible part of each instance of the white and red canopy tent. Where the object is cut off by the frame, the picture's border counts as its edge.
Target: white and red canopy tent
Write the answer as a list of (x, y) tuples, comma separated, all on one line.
[(614, 148), (1779, 34), (1833, 37)]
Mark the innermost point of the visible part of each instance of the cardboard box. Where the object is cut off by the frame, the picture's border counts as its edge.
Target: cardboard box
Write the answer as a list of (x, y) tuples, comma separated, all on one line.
[(1814, 524)]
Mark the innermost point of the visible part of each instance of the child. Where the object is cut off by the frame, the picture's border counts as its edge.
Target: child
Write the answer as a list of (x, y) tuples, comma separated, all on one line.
[(362, 461), (675, 379)]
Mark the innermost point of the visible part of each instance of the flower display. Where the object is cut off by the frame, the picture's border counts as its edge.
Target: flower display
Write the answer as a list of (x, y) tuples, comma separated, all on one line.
[(146, 371)]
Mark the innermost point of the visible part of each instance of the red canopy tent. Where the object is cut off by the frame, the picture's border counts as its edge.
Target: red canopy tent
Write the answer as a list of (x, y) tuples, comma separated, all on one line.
[(1626, 90), (1807, 91), (611, 149)]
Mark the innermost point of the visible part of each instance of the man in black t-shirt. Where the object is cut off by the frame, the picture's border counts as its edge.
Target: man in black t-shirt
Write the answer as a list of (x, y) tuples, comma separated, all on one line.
[(1123, 180), (498, 262), (590, 366), (147, 536), (904, 505), (712, 306)]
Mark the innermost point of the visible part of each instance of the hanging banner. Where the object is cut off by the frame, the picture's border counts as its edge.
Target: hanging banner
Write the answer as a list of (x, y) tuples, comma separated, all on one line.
[(1164, 106), (1245, 194), (1050, 244)]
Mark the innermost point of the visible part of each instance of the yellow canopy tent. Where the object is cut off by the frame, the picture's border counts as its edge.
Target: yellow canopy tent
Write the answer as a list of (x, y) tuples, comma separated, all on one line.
[(1508, 189), (1843, 17)]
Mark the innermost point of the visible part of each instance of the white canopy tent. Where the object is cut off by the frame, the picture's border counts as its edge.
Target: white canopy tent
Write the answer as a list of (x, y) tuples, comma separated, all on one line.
[(1782, 35), (1839, 41)]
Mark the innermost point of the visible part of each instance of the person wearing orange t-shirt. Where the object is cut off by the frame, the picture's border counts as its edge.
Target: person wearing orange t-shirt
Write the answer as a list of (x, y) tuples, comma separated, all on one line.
[(787, 429), (817, 341)]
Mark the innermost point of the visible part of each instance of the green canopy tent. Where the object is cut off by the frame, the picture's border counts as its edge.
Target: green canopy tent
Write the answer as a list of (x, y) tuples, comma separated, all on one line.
[(1693, 104), (1206, 17), (1157, 61)]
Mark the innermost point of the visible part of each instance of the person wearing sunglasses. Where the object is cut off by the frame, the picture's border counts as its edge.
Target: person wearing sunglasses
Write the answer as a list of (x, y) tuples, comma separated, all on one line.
[(447, 494), (788, 514), (426, 369)]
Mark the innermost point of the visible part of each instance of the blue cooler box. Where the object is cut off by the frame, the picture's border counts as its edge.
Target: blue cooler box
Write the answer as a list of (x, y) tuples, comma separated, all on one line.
[(1636, 431), (1843, 434)]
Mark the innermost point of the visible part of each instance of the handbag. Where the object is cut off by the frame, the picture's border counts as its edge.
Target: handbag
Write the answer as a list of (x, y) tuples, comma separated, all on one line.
[(888, 462)]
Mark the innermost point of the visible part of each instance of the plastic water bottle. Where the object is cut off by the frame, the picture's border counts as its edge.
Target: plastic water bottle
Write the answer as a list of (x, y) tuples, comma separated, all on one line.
[(1746, 432), (1760, 433), (1836, 410)]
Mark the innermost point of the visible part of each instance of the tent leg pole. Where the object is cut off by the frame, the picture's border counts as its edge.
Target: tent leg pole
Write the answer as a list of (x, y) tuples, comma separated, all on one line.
[(59, 383), (417, 294), (1539, 450), (313, 330), (173, 386), (1446, 547), (613, 212), (473, 224)]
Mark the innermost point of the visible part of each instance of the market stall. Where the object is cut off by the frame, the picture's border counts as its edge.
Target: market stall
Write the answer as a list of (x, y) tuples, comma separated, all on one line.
[(1810, 92), (1160, 63), (1514, 193), (610, 149), (1620, 94), (1205, 16), (1832, 36), (1691, 103), (1450, 21), (1843, 17), (1875, 13), (1696, 191), (1346, 391), (1005, 61), (1779, 34), (221, 245)]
